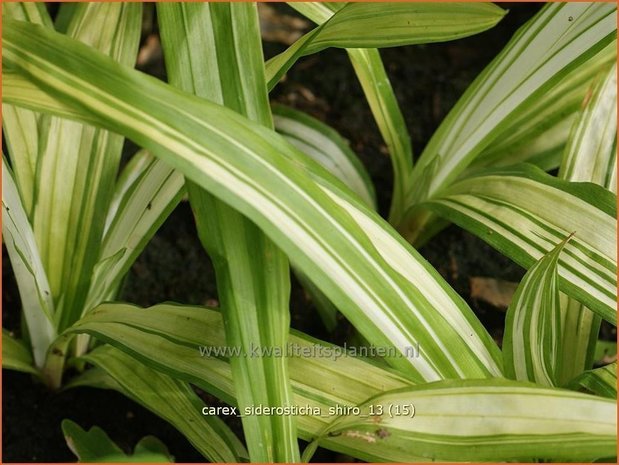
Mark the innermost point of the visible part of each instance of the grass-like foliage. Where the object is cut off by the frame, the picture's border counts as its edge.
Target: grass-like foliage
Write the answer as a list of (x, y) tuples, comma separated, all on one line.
[(526, 160)]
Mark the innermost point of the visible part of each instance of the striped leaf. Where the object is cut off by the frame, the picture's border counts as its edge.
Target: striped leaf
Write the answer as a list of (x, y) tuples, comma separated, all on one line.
[(172, 400), (580, 332), (146, 192), (16, 356), (544, 151), (174, 339), (524, 213), (34, 291), (591, 154), (601, 381), (370, 25), (547, 122), (532, 342), (252, 273), (380, 96), (382, 285), (32, 12), (486, 420), (542, 53), (170, 338), (30, 95), (327, 147), (22, 127), (77, 169)]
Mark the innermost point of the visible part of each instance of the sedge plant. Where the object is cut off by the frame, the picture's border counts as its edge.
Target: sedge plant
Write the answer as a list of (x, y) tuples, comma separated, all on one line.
[(273, 190)]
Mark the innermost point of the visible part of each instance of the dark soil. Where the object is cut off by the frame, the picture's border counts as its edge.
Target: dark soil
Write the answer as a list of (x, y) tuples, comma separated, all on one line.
[(427, 81)]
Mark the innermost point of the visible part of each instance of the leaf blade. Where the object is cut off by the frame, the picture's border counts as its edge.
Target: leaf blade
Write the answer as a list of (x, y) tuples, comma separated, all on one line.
[(174, 339), (377, 88), (487, 420), (172, 400), (367, 25), (79, 164), (35, 294), (601, 381), (532, 343), (523, 212), (15, 355), (297, 211), (252, 273), (549, 47)]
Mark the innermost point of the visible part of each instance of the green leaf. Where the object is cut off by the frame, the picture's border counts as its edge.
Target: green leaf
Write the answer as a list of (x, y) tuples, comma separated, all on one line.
[(64, 16), (544, 150), (384, 106), (34, 291), (22, 127), (532, 343), (95, 446), (172, 400), (580, 332), (485, 420), (32, 12), (147, 191), (380, 283), (390, 121), (561, 37), (604, 349), (16, 356), (591, 154), (93, 377), (546, 123), (253, 277), (601, 381), (189, 343), (370, 25), (327, 147), (77, 169), (524, 213)]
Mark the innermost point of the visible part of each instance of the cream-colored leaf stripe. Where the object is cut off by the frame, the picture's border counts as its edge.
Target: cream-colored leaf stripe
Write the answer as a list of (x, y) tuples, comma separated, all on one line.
[(544, 50), (524, 213), (32, 283), (591, 154), (503, 420), (252, 273), (265, 178), (534, 327), (559, 39), (327, 147), (147, 192), (486, 420)]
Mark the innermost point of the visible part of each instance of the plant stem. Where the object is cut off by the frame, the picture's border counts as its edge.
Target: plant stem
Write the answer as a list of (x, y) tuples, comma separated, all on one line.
[(54, 363)]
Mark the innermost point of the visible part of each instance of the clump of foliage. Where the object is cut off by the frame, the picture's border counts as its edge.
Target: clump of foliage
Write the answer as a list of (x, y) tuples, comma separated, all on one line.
[(272, 189)]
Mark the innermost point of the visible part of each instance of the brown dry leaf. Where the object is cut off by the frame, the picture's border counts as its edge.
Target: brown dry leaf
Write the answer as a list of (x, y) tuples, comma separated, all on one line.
[(150, 51), (496, 292), (608, 359)]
